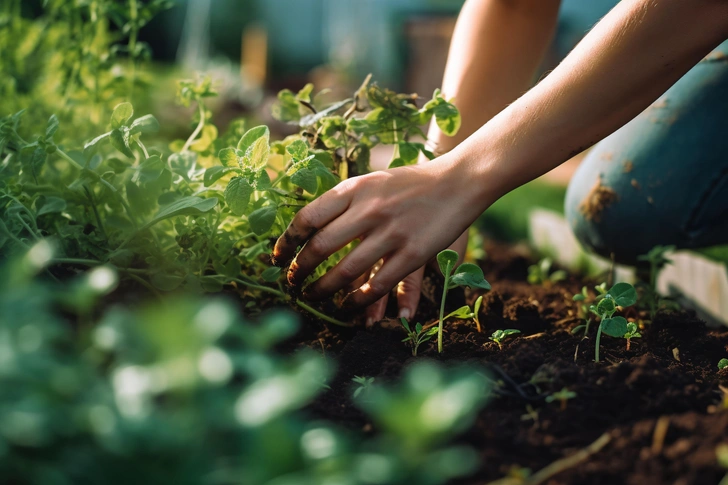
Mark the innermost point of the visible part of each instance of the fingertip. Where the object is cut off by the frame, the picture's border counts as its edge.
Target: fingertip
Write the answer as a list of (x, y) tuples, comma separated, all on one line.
[(405, 313)]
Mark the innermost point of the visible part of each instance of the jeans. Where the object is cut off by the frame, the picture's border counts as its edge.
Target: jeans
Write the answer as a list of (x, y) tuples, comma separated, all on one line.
[(663, 177)]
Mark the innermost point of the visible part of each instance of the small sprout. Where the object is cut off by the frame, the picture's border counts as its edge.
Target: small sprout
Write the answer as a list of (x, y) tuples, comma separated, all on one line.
[(541, 274), (562, 396), (467, 274), (500, 335), (657, 260), (418, 336), (632, 332), (363, 384), (722, 364), (476, 312), (621, 295)]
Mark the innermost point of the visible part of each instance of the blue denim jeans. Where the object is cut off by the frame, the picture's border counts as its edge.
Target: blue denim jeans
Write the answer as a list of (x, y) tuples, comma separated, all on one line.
[(663, 177)]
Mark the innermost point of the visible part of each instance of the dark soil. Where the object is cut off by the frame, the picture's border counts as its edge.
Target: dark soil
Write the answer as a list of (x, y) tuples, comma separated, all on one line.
[(625, 395)]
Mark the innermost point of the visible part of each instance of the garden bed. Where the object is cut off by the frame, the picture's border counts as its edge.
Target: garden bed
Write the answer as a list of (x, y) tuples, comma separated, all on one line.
[(662, 415)]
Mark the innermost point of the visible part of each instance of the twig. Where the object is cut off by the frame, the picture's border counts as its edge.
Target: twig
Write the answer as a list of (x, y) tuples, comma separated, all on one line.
[(559, 465)]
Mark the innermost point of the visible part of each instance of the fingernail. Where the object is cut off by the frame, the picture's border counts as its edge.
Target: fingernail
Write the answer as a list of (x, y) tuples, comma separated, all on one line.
[(405, 313), (370, 322)]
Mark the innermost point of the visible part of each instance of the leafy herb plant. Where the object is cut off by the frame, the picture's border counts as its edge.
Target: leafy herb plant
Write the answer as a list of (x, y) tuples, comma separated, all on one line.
[(500, 335), (418, 336), (467, 274), (362, 385), (722, 364)]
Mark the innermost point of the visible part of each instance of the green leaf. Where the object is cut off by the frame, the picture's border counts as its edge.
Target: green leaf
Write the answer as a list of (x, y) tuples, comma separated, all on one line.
[(121, 115), (476, 307), (722, 364), (262, 181), (229, 158), (256, 157), (51, 127), (311, 119), (607, 305), (117, 165), (52, 205), (253, 135), (271, 274), (261, 220), (468, 274), (166, 282), (237, 195), (150, 169), (408, 152), (624, 294), (120, 141), (298, 150), (213, 174), (406, 325), (183, 163), (191, 205), (89, 147), (306, 179), (447, 260), (145, 124), (462, 313), (614, 327)]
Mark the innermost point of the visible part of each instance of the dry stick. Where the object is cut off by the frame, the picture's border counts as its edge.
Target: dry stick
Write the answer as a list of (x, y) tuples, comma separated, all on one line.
[(658, 436), (559, 465)]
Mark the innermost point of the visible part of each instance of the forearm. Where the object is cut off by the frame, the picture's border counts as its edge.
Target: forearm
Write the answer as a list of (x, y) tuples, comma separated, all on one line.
[(627, 61), (495, 50)]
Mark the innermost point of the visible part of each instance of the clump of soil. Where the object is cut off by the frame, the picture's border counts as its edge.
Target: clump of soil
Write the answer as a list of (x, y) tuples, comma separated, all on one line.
[(598, 199), (664, 417)]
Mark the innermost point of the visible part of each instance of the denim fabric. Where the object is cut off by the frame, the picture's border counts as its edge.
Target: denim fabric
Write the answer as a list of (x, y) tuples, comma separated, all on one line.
[(663, 177)]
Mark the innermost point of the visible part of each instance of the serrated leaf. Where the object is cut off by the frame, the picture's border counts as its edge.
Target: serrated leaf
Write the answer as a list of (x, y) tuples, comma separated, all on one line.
[(614, 327), (121, 115), (229, 158), (237, 195), (447, 260), (261, 220), (145, 124), (306, 179), (252, 135), (256, 157), (262, 181), (468, 274), (298, 150), (624, 294)]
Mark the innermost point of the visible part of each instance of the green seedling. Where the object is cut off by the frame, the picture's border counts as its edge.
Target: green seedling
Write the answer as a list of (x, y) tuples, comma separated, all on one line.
[(363, 385), (722, 364), (418, 336), (500, 335), (541, 274), (621, 295), (632, 332), (467, 274), (562, 396), (657, 261)]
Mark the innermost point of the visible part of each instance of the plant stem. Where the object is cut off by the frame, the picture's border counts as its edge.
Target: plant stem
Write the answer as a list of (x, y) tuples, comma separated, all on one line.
[(448, 270), (197, 131), (317, 313), (598, 340)]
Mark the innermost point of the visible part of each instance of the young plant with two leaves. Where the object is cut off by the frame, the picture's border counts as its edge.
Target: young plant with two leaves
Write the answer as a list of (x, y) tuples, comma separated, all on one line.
[(467, 274)]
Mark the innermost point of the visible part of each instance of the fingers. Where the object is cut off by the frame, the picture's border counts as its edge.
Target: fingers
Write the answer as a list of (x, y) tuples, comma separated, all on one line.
[(323, 244), (408, 293), (381, 284), (354, 264), (311, 218), (375, 312)]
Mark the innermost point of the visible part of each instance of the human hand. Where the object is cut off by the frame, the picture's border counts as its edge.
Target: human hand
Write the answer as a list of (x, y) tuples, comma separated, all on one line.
[(402, 216)]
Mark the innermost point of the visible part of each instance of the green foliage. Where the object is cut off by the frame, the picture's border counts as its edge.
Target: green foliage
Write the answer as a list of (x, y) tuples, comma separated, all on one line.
[(187, 389), (500, 335), (418, 336), (632, 332), (722, 364), (467, 274), (621, 295), (541, 274), (363, 384)]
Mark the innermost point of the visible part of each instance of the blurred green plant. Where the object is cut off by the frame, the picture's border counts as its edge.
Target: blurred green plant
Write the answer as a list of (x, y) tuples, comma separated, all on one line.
[(187, 391), (657, 259), (722, 364), (500, 335), (541, 274), (562, 397)]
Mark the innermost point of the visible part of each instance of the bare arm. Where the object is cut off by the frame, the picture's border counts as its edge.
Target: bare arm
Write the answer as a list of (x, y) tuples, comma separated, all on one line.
[(408, 214), (495, 50)]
